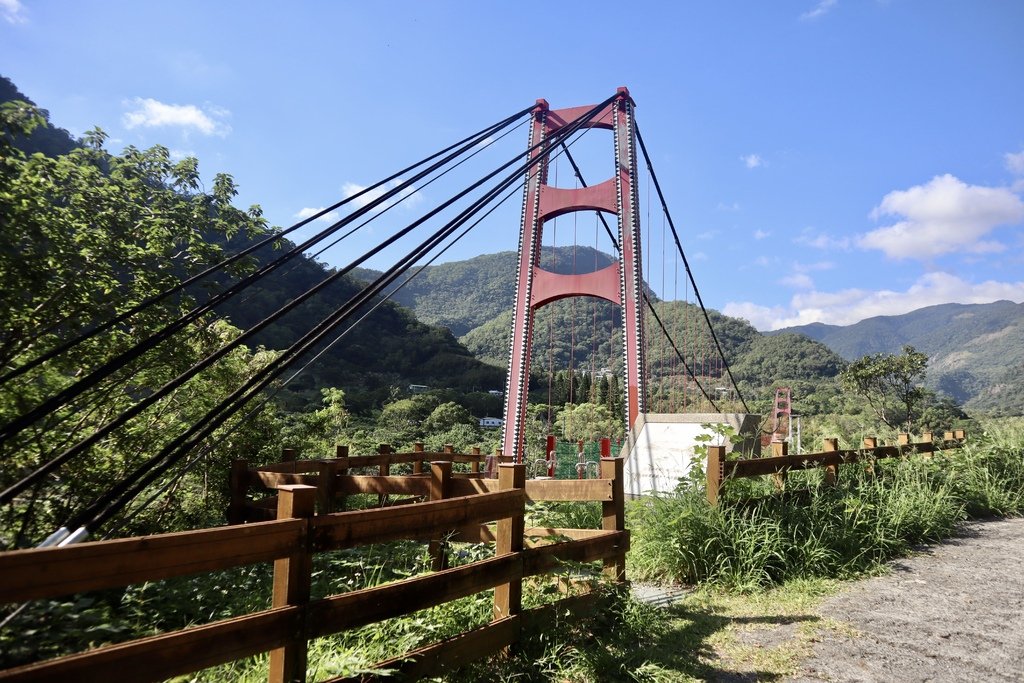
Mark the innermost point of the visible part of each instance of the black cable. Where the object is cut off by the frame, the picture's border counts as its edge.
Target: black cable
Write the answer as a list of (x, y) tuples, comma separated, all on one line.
[(671, 341), (107, 505), (448, 170), (71, 392), (579, 177), (155, 466), (146, 303), (277, 389), (650, 305), (686, 264)]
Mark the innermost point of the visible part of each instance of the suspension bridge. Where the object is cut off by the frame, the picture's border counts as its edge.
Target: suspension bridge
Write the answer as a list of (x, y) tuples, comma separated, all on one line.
[(668, 354)]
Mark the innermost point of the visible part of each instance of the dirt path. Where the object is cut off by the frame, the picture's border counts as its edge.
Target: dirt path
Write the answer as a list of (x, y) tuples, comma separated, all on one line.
[(954, 612)]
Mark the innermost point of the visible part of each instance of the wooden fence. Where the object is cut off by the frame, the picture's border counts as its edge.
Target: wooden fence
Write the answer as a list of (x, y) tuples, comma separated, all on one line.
[(719, 469), (335, 480), (463, 505)]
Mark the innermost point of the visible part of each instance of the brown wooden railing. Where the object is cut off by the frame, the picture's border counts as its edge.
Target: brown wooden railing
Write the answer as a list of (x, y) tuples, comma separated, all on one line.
[(335, 480), (719, 470), (458, 508)]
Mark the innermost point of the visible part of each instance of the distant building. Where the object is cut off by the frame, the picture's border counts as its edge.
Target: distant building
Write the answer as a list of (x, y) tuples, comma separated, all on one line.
[(491, 422), (496, 392), (418, 388)]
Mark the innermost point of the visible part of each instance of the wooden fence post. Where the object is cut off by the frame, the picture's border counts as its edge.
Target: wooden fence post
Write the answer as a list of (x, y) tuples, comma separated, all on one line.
[(831, 471), (239, 483), (613, 515), (779, 448), (508, 597), (492, 463), (474, 467), (870, 442), (292, 578), (713, 468), (929, 444), (903, 439), (417, 464), (440, 488), (959, 434), (341, 455), (326, 487), (384, 469)]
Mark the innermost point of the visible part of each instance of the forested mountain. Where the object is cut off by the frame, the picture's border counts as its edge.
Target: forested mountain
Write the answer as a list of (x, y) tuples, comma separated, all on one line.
[(390, 349), (976, 350), (463, 295), (48, 139), (474, 297)]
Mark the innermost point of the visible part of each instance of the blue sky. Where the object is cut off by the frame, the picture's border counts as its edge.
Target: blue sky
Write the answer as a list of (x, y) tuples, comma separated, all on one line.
[(824, 160)]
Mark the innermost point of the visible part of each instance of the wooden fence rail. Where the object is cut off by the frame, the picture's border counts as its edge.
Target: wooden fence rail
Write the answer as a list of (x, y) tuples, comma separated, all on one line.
[(719, 470), (291, 541)]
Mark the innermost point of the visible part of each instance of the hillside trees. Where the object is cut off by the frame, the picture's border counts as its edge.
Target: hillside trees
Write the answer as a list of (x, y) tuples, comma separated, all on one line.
[(84, 236)]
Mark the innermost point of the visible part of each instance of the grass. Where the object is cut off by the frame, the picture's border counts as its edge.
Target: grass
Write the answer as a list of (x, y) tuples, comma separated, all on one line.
[(758, 537), (761, 562)]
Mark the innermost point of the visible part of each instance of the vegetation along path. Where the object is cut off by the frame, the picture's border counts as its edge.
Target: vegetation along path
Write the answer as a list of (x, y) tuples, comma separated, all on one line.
[(952, 612)]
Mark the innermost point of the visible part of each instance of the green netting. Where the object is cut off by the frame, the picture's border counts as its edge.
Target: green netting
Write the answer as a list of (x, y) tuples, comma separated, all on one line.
[(567, 458)]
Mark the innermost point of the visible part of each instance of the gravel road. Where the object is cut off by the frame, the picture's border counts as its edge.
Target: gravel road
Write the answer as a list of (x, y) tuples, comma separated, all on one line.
[(953, 612)]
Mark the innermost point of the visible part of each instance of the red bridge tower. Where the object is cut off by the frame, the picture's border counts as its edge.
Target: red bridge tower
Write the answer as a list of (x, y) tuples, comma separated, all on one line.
[(619, 283)]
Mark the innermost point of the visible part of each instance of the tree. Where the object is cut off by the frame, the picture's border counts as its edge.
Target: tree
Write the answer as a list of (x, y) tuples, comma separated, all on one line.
[(446, 417), (890, 384), (588, 422), (84, 236)]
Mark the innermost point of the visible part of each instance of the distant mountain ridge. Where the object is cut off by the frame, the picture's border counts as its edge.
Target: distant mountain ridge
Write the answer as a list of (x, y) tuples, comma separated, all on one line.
[(976, 351)]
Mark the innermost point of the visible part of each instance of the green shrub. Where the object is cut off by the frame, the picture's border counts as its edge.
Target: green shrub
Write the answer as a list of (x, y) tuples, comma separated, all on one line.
[(758, 537)]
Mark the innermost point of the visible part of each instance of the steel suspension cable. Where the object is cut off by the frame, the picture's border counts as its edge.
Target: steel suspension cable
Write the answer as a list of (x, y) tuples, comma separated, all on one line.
[(657, 318), (277, 389), (155, 466), (686, 264), (55, 402), (156, 298), (46, 468)]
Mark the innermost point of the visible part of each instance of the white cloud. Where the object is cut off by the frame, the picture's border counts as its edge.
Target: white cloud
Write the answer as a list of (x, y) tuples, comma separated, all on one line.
[(150, 113), (13, 11), (810, 267), (798, 281), (722, 206), (410, 196), (945, 215), (821, 9), (752, 160), (700, 256), (179, 154), (848, 306), (328, 217), (707, 235), (809, 237), (761, 234), (1014, 162)]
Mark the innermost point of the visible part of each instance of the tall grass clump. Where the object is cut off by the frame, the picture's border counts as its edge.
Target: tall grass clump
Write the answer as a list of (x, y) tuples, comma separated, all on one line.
[(757, 536)]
